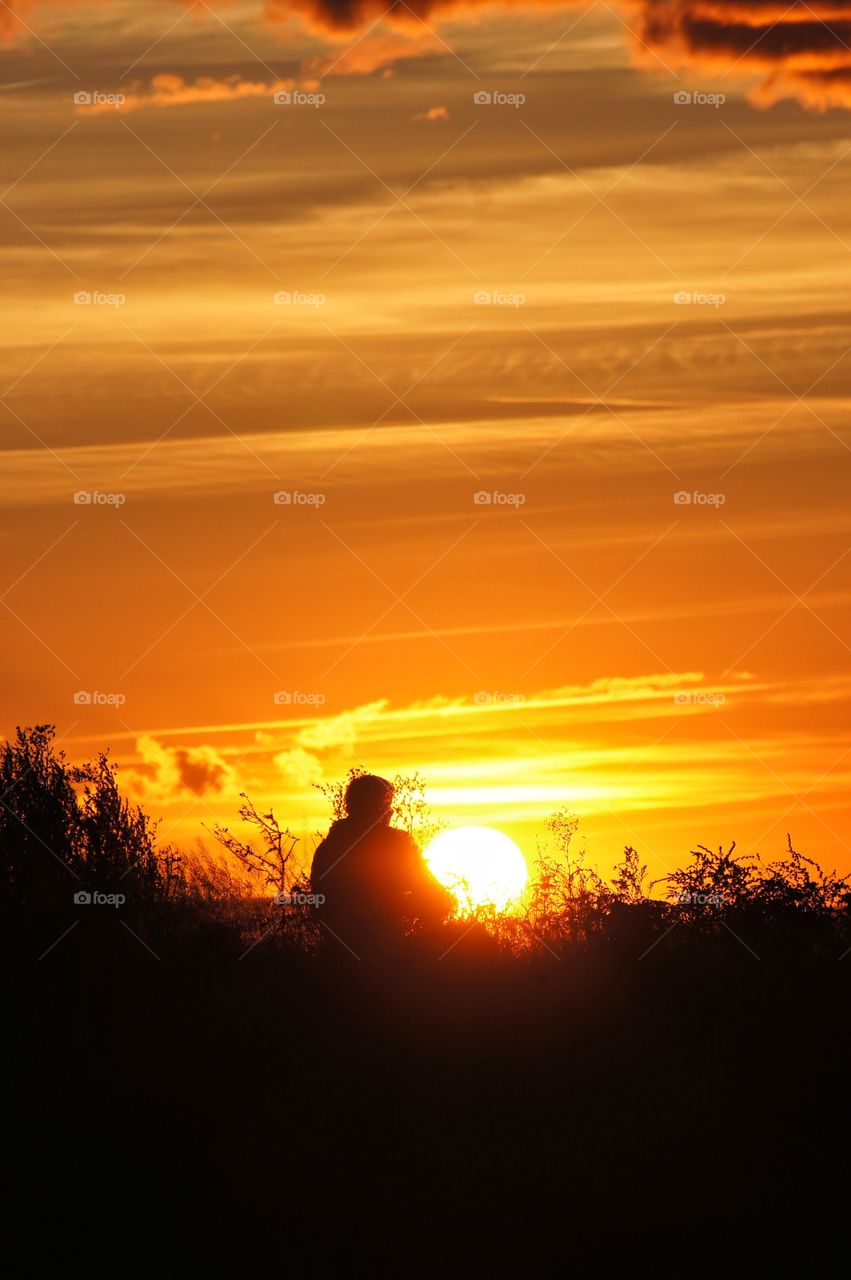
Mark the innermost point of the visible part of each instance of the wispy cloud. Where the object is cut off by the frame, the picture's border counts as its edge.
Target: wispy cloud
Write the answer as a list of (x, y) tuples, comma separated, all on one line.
[(167, 90)]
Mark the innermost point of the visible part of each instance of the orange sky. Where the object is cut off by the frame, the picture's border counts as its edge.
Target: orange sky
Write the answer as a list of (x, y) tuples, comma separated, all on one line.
[(472, 298)]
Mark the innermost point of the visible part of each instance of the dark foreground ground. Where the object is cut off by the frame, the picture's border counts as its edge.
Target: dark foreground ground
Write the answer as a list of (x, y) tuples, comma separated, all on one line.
[(683, 1114)]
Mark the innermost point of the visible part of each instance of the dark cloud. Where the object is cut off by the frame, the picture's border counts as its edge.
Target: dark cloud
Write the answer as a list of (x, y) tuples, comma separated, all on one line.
[(200, 771), (799, 50), (168, 773)]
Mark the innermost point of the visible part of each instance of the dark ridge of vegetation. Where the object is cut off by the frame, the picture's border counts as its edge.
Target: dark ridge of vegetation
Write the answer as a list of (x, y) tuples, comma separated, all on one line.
[(610, 1083), (66, 830)]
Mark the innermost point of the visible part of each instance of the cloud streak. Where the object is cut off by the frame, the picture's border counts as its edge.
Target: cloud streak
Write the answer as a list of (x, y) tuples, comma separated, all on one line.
[(800, 50), (166, 90)]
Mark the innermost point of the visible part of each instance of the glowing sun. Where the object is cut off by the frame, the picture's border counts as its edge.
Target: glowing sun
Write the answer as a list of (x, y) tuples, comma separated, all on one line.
[(479, 865)]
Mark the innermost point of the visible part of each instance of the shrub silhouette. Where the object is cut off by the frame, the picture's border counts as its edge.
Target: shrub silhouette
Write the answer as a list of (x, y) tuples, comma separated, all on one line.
[(274, 881), (274, 862), (567, 900), (66, 828)]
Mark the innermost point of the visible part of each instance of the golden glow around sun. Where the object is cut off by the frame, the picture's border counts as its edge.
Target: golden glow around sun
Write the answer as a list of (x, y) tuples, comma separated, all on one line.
[(479, 865)]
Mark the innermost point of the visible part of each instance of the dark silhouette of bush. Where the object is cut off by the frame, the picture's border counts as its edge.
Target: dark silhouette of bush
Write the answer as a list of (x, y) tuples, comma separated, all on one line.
[(275, 887), (788, 902), (65, 829)]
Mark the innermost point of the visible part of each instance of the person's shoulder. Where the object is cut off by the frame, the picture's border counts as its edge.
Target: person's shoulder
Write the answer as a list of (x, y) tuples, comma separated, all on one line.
[(332, 837), (402, 839)]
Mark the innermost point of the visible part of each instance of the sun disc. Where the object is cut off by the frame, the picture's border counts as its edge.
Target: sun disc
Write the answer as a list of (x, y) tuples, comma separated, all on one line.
[(479, 865)]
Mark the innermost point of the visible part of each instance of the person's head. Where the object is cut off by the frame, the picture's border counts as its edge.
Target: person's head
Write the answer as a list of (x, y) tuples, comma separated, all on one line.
[(369, 799)]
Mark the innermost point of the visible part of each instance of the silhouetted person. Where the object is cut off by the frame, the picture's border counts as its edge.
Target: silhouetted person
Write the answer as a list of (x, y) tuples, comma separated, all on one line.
[(372, 876)]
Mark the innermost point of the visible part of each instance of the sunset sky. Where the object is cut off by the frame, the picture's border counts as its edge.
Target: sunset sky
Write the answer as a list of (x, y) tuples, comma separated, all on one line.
[(580, 261)]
